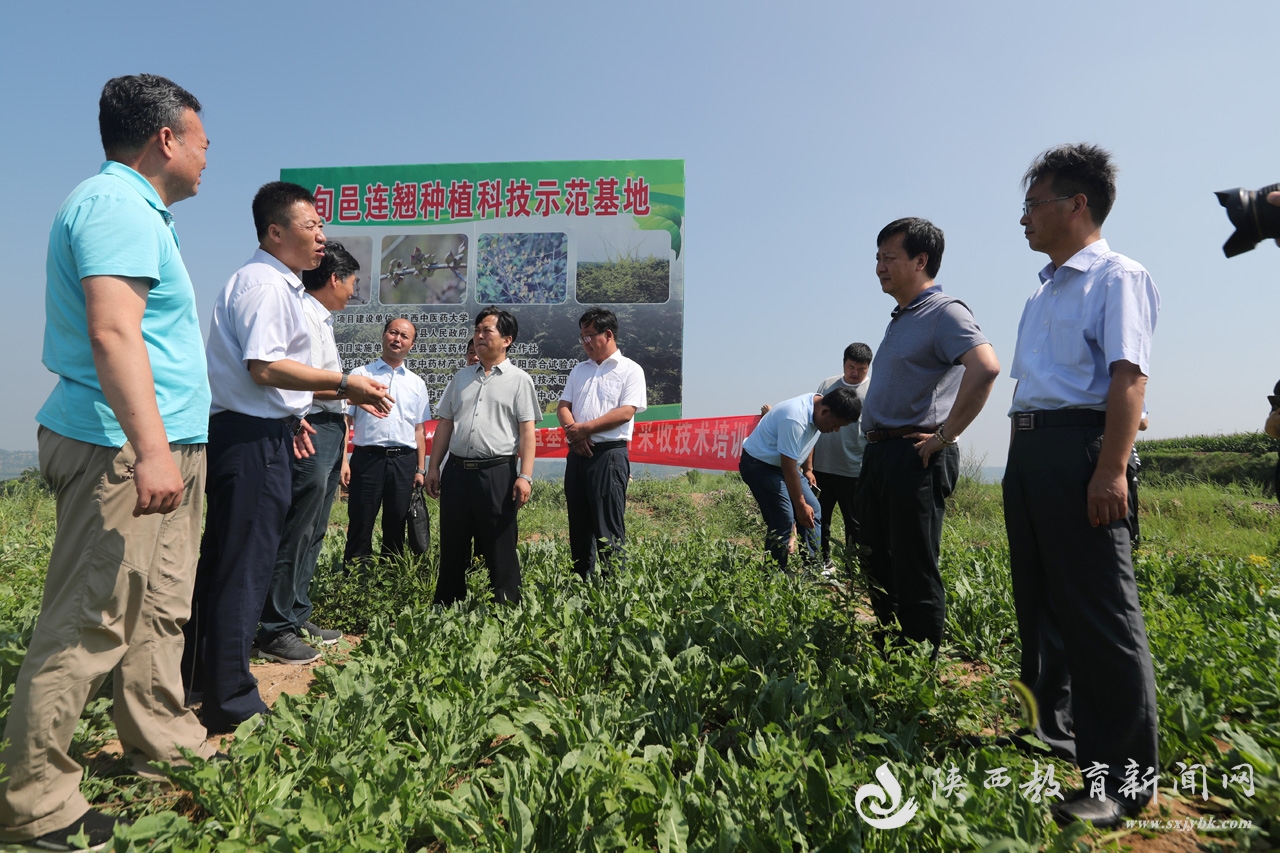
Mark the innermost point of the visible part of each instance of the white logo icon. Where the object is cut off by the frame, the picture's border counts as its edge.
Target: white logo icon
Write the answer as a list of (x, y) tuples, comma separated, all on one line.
[(893, 793)]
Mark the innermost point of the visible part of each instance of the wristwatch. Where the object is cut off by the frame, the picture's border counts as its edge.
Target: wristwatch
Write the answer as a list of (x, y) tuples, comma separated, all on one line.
[(525, 477), (419, 470), (342, 386)]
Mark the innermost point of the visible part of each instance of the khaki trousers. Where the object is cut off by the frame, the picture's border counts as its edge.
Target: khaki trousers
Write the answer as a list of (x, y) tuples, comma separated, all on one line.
[(117, 594)]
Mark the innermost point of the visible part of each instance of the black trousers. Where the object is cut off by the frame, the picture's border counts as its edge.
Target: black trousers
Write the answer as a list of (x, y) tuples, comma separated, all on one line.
[(900, 506), (476, 506), (595, 491), (378, 481), (837, 490), (248, 486), (1084, 641)]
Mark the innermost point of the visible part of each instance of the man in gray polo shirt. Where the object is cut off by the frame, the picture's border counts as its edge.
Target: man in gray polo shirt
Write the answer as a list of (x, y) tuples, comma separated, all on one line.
[(486, 423), (934, 370), (836, 460)]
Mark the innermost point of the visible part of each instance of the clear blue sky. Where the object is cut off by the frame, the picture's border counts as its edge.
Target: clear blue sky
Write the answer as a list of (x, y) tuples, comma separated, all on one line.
[(805, 128)]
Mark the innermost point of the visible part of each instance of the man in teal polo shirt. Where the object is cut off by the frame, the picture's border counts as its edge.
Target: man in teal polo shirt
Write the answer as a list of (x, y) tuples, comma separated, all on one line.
[(121, 443)]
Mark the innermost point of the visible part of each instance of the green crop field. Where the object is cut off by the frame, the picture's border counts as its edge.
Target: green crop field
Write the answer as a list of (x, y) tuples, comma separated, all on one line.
[(700, 700)]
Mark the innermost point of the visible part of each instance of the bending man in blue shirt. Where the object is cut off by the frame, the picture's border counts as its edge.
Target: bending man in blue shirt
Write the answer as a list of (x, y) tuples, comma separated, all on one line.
[(770, 464)]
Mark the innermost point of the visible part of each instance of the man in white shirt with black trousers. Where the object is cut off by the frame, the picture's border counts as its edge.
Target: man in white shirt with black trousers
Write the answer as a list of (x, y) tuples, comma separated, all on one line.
[(597, 410), (390, 453)]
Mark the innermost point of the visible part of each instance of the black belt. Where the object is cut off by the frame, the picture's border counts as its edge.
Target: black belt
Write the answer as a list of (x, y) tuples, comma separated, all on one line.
[(896, 432), (489, 462), (378, 450), (1023, 421), (609, 445), (325, 417)]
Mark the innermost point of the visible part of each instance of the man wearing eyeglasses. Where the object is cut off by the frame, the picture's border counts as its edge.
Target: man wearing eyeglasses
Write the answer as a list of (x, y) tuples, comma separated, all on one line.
[(1081, 364), (934, 371), (597, 411), (287, 613), (390, 456), (261, 378)]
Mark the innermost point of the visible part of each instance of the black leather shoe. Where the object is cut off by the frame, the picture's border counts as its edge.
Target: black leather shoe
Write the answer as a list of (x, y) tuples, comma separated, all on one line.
[(1103, 814)]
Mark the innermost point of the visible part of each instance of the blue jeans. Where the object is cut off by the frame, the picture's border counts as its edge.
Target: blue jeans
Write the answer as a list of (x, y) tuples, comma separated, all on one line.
[(770, 491), (315, 483)]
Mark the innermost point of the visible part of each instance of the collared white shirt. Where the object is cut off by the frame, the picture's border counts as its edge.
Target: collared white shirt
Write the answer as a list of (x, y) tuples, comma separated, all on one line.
[(257, 316), (411, 407), (594, 389), (324, 349), (1096, 309)]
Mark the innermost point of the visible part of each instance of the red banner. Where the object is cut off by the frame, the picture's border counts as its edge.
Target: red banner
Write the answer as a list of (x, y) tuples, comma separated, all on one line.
[(711, 443)]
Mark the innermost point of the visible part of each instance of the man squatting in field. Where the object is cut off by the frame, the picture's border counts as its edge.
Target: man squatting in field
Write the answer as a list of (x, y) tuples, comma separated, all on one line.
[(597, 411), (770, 465), (1081, 364), (934, 370), (122, 443)]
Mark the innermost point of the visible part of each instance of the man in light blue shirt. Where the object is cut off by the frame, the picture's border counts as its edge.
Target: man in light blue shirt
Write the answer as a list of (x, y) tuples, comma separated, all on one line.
[(770, 465), (1081, 363), (122, 444)]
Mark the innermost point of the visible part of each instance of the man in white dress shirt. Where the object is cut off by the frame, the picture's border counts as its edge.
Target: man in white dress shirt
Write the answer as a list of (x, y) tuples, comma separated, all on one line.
[(261, 379), (1081, 363), (315, 478), (597, 410), (390, 455)]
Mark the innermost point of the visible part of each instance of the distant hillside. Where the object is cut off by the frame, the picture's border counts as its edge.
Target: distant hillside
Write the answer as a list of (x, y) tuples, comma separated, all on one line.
[(14, 462), (1248, 457)]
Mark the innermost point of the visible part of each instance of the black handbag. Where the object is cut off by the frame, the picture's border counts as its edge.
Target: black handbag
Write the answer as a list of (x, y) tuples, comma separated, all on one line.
[(419, 522)]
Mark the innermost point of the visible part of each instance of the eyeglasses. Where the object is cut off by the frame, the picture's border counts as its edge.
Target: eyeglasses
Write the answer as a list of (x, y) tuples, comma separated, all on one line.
[(1027, 206), (586, 339), (311, 227)]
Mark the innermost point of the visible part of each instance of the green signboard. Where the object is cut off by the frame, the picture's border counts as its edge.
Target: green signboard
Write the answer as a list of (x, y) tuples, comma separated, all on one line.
[(546, 241)]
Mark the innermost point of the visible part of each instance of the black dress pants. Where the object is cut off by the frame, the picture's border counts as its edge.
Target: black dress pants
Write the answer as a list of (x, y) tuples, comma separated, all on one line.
[(837, 490), (380, 478), (1084, 640), (900, 507), (476, 505), (595, 492), (249, 486)]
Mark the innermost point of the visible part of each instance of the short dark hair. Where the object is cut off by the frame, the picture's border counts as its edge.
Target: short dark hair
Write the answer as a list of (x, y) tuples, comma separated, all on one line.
[(507, 325), (336, 261), (1078, 169), (843, 403), (919, 236), (273, 201), (859, 352), (387, 325), (602, 318), (133, 109)]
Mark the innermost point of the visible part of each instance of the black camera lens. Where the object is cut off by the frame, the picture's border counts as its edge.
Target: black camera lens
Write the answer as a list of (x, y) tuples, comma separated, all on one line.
[(1253, 216)]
